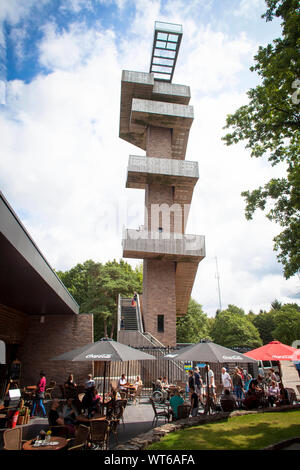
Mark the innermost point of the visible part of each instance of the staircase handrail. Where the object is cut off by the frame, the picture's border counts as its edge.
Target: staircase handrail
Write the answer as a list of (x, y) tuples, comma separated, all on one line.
[(158, 344), (139, 316)]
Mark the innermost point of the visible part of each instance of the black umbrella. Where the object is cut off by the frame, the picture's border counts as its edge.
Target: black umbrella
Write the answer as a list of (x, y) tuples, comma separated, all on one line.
[(105, 350), (207, 351)]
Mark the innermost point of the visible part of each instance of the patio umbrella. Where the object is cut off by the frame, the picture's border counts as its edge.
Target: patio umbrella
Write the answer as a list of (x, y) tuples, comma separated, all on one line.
[(105, 350), (207, 351), (273, 351)]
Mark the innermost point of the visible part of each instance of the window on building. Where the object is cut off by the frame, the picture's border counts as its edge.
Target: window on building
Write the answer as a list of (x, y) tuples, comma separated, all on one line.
[(160, 323)]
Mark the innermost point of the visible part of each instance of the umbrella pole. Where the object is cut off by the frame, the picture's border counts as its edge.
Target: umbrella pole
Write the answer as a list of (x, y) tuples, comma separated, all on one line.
[(104, 374), (207, 404)]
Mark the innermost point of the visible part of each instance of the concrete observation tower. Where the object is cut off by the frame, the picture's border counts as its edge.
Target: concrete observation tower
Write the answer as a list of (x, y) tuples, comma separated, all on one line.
[(156, 117)]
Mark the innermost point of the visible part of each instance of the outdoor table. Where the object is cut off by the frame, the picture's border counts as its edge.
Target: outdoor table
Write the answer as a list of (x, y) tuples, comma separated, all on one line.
[(85, 419), (60, 443)]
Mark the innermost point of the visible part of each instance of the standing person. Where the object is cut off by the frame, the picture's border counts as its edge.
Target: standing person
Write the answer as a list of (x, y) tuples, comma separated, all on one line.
[(90, 382), (238, 384), (211, 383), (226, 380), (194, 401), (191, 379), (198, 382), (39, 395), (134, 299), (247, 380)]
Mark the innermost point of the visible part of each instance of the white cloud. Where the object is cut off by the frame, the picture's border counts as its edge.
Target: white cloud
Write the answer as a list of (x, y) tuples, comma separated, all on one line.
[(65, 166)]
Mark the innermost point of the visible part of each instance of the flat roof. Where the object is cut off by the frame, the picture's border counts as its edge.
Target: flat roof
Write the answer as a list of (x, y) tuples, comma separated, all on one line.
[(27, 281)]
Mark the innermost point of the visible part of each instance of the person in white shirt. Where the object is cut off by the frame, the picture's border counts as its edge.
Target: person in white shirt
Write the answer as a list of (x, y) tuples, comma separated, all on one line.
[(226, 380), (90, 382), (122, 382), (211, 383)]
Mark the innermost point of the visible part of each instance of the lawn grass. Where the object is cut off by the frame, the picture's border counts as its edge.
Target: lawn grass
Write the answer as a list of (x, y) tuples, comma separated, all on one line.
[(247, 432)]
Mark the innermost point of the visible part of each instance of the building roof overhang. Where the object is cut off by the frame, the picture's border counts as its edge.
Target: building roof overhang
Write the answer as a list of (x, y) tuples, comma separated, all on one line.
[(27, 281)]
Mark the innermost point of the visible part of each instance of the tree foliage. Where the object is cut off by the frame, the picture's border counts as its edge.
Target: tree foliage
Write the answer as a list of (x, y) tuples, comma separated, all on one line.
[(193, 326), (96, 286), (233, 329), (270, 124), (287, 324)]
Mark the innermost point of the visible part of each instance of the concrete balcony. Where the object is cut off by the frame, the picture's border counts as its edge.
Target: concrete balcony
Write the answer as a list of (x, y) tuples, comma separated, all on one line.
[(144, 170), (142, 86), (142, 244)]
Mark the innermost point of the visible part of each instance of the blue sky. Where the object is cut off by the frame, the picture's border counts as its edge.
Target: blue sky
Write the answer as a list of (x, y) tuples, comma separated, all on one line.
[(63, 165)]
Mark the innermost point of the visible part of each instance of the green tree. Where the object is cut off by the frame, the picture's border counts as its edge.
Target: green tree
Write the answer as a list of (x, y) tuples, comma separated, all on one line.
[(235, 330), (265, 323), (193, 326), (287, 324), (276, 305), (96, 286), (270, 124)]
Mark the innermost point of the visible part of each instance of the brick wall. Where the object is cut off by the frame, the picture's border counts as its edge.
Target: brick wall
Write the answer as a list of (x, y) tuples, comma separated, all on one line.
[(57, 335), (159, 299), (158, 143)]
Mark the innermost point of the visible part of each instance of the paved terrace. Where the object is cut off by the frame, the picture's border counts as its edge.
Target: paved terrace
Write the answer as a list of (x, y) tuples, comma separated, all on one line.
[(137, 418)]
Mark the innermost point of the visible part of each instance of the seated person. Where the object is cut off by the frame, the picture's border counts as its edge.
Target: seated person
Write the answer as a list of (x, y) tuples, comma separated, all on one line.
[(273, 393), (138, 383), (70, 382), (122, 381), (283, 396), (164, 382), (69, 412), (90, 382), (175, 401), (227, 401), (55, 419)]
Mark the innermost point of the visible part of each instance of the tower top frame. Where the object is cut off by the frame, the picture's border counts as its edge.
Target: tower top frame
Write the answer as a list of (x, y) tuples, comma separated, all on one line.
[(166, 44)]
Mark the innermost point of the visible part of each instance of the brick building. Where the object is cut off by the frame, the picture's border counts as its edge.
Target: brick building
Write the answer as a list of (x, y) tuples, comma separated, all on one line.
[(38, 316), (156, 117)]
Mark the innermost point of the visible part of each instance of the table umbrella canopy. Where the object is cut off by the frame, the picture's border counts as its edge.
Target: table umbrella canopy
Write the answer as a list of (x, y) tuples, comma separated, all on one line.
[(104, 350), (209, 352), (274, 351)]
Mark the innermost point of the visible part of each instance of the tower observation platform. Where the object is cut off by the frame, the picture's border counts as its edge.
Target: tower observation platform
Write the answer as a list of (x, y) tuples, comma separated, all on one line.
[(156, 117)]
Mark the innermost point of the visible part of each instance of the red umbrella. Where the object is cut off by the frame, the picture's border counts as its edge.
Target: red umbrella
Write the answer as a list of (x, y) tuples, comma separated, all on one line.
[(274, 351)]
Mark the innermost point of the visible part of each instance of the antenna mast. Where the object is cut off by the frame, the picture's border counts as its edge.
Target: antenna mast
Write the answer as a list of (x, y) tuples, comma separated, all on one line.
[(218, 279)]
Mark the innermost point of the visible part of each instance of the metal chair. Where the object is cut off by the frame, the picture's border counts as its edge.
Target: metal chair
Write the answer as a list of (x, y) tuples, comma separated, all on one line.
[(13, 439), (81, 438), (78, 447), (49, 390), (183, 411), (113, 428), (99, 433), (160, 411)]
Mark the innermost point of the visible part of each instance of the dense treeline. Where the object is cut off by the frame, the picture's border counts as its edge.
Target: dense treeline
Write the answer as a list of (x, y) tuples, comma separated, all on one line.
[(96, 286)]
